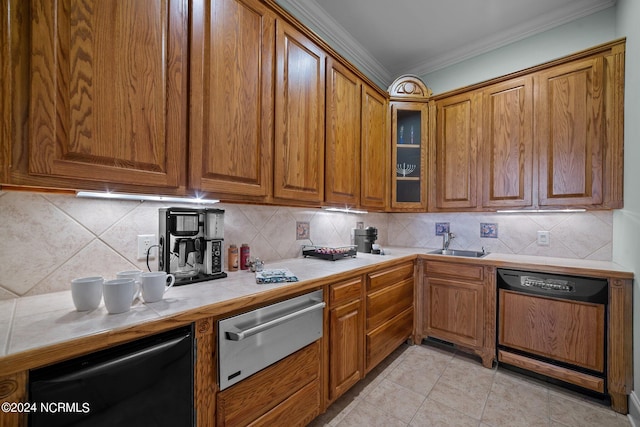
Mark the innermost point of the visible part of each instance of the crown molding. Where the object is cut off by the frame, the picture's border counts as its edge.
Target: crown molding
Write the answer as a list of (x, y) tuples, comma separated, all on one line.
[(541, 24), (315, 17)]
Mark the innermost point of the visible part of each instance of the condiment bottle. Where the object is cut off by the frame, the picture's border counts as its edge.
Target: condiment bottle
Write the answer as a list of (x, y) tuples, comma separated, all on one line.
[(244, 256), (233, 258)]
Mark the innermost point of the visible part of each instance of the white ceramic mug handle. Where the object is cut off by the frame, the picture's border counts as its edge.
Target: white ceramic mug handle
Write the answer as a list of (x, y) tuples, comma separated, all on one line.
[(137, 289), (173, 281)]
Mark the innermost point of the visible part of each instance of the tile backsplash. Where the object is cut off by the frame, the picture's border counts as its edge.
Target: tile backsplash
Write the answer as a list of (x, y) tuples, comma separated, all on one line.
[(48, 239)]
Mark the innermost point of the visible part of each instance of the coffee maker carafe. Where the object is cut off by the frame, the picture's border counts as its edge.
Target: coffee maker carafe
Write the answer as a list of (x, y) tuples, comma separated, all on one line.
[(191, 242)]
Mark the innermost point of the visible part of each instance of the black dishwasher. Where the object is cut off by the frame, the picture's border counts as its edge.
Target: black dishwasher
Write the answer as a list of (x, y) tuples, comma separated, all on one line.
[(148, 382)]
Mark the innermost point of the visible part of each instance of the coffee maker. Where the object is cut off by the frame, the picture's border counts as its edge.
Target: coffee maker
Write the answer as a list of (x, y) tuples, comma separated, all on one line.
[(365, 238), (191, 244)]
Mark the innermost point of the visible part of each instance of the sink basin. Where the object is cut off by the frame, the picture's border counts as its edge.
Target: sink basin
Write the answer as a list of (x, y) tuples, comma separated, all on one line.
[(456, 252)]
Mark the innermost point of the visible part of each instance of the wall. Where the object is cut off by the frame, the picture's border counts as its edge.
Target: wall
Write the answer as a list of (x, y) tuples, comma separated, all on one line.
[(585, 235), (626, 222), (563, 40), (48, 239)]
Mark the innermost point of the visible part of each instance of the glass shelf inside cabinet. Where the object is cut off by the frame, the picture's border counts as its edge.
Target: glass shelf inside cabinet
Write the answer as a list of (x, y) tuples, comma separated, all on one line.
[(408, 156)]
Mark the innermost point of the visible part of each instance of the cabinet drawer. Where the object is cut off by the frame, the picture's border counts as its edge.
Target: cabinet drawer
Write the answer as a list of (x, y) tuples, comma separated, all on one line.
[(254, 397), (389, 276), (345, 291), (298, 410), (454, 270), (388, 302), (383, 340)]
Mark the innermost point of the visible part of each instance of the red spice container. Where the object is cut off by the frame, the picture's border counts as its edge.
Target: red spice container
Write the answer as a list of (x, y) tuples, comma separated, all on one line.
[(244, 256)]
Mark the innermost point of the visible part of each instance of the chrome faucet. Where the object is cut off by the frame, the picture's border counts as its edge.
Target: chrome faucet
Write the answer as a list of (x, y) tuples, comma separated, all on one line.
[(446, 240)]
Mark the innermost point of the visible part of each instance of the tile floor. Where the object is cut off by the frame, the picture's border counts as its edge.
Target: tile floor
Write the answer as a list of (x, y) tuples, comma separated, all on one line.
[(427, 385)]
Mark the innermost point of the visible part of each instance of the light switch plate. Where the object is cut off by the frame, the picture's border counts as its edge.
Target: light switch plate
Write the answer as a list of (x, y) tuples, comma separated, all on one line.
[(543, 238)]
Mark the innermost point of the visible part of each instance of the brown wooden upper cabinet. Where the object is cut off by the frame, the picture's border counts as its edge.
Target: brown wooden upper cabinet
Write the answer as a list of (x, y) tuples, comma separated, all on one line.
[(572, 121), (507, 144), (342, 151), (410, 123), (108, 92), (482, 150), (560, 122), (454, 152), (374, 150), (299, 116), (356, 160), (232, 102)]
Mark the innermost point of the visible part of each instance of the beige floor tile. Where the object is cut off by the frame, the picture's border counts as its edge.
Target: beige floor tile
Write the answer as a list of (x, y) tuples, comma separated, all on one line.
[(573, 412), (514, 394), (464, 394), (417, 377), (472, 365), (427, 357), (366, 414), (470, 403), (514, 412), (363, 387), (395, 400), (436, 414), (469, 378)]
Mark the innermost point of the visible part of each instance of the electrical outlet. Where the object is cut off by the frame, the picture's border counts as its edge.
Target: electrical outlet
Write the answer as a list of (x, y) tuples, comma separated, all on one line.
[(543, 238), (145, 241)]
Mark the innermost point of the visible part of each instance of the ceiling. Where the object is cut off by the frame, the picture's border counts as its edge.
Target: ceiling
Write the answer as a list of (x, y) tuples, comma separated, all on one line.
[(389, 38)]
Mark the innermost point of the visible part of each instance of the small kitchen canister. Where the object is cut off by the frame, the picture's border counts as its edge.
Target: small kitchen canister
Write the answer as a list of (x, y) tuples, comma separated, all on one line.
[(233, 258), (244, 256)]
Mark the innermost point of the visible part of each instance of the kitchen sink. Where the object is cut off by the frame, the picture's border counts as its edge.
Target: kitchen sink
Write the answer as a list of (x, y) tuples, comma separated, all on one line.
[(456, 252)]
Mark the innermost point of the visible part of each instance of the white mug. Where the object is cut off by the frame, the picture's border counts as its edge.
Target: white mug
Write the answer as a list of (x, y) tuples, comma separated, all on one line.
[(86, 292), (154, 285), (130, 274), (119, 294)]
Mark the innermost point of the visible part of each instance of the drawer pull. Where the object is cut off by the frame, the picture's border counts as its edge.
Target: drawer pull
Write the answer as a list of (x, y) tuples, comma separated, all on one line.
[(240, 335)]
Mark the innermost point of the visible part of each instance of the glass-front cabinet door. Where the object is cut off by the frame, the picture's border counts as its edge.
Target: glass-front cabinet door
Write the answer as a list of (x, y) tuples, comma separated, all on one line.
[(409, 142)]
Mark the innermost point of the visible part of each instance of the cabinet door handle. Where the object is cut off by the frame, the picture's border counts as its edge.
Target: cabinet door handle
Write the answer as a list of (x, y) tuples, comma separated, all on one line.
[(240, 335)]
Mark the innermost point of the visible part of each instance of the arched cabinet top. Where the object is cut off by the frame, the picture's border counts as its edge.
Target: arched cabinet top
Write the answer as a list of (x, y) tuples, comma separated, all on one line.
[(409, 87)]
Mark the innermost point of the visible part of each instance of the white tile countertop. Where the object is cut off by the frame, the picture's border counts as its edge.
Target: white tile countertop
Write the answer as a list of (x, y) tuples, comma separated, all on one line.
[(39, 321)]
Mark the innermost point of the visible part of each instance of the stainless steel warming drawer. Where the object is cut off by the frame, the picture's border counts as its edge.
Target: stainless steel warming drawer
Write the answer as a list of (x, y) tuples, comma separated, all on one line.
[(249, 342)]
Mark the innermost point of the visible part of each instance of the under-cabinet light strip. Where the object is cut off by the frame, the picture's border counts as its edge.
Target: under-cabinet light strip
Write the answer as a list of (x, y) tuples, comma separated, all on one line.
[(526, 211), (143, 197), (345, 210)]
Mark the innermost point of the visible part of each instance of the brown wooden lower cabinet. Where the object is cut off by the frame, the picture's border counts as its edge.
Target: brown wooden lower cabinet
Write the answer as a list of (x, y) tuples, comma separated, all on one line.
[(287, 393), (13, 389), (459, 306), (346, 331), (386, 303), (205, 373), (383, 340), (389, 308)]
